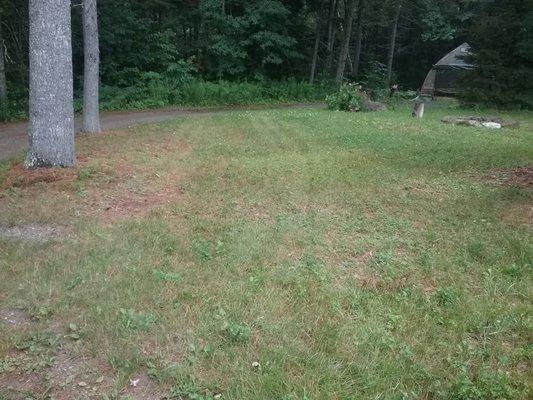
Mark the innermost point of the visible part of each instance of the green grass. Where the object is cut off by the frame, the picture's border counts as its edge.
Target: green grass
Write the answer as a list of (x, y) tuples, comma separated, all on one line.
[(353, 256)]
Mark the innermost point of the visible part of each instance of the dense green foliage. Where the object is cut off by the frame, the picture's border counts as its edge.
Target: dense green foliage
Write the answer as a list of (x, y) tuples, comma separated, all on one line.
[(263, 41), (154, 90), (348, 98), (503, 38)]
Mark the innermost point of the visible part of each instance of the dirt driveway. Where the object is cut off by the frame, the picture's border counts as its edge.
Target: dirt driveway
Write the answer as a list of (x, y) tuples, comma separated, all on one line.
[(14, 139)]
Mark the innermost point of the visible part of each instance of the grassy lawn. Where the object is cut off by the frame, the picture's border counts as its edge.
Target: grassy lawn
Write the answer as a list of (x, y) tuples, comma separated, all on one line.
[(289, 254)]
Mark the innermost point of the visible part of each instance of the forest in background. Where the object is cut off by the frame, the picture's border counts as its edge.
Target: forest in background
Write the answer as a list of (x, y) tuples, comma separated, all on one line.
[(212, 52)]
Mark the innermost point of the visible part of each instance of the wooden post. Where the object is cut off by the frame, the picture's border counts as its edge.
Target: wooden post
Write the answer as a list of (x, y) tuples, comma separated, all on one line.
[(418, 110)]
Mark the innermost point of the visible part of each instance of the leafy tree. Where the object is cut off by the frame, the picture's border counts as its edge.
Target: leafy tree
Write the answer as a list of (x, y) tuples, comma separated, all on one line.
[(157, 45), (251, 38), (502, 42)]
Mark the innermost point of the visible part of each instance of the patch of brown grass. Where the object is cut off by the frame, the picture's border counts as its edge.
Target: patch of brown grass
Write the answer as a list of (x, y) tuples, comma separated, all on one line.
[(368, 279), (20, 177), (131, 204), (79, 376), (519, 214), (20, 384), (517, 177)]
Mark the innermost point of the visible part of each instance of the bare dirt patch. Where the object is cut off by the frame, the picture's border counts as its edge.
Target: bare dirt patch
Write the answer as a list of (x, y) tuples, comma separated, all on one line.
[(20, 177), (139, 206), (19, 385), (132, 202), (15, 317), (33, 233), (79, 376), (142, 387), (517, 177)]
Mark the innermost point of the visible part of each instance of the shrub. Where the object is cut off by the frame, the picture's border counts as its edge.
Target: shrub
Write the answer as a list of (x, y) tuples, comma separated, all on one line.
[(177, 87), (154, 90), (374, 75), (350, 97)]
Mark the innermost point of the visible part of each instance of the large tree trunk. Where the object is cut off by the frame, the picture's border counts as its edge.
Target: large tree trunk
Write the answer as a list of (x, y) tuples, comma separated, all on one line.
[(51, 128), (317, 42), (343, 55), (3, 84), (358, 38), (332, 33), (392, 44), (91, 76)]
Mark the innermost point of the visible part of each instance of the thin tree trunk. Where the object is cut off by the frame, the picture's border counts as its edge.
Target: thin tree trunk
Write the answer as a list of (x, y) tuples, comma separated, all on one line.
[(332, 33), (3, 84), (51, 128), (317, 42), (358, 38), (392, 44), (91, 75), (343, 55)]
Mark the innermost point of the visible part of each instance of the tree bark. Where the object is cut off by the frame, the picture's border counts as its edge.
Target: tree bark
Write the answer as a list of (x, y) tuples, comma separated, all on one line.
[(3, 83), (91, 76), (317, 42), (332, 33), (51, 128), (343, 55), (392, 44), (358, 38)]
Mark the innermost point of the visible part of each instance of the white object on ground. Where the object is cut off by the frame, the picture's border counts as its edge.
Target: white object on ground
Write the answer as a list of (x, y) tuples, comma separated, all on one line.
[(491, 125)]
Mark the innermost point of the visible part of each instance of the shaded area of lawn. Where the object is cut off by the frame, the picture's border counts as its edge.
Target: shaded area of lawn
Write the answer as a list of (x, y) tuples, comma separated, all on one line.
[(299, 254)]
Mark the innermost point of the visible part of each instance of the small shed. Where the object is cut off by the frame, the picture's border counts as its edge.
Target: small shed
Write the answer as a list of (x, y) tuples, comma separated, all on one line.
[(443, 77)]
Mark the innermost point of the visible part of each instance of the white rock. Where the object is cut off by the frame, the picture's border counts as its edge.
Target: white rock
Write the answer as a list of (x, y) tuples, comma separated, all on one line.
[(491, 125)]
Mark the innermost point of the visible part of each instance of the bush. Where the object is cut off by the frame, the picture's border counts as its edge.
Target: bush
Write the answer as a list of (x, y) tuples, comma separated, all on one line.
[(350, 97), (159, 90), (374, 76), (177, 87)]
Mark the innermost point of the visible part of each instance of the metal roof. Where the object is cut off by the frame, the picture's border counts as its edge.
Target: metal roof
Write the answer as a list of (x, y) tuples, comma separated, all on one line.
[(456, 59)]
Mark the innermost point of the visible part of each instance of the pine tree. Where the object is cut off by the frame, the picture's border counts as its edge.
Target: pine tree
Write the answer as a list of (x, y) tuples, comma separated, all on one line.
[(502, 45)]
